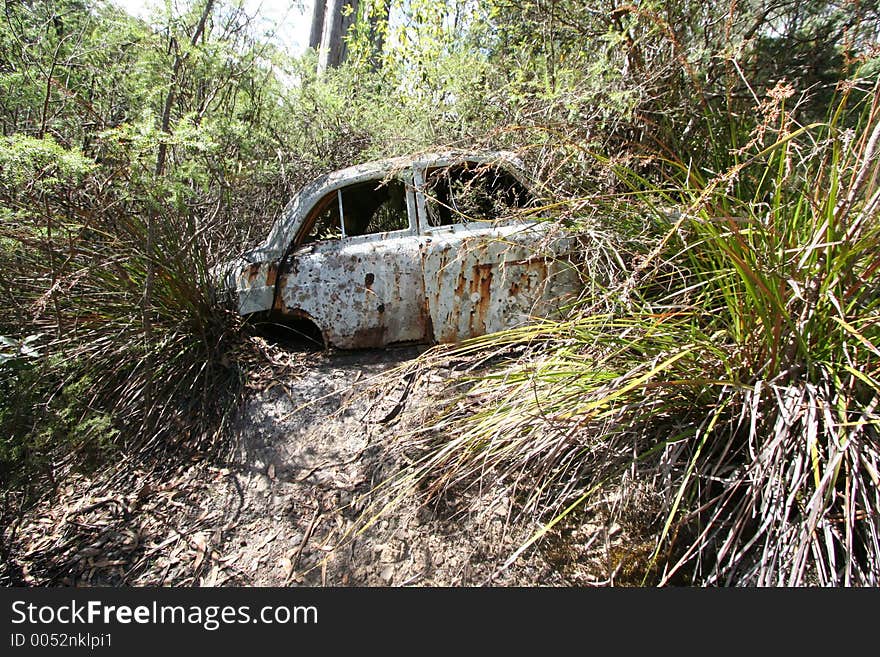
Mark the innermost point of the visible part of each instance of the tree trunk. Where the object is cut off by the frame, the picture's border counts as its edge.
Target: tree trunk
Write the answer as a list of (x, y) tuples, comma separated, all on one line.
[(331, 37), (317, 24), (337, 21), (380, 12), (348, 20)]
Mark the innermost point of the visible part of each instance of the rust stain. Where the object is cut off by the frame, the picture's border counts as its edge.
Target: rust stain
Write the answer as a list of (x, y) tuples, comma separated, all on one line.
[(428, 331), (372, 337), (252, 272), (481, 285), (530, 262), (272, 274), (540, 266), (279, 298), (449, 334), (459, 288)]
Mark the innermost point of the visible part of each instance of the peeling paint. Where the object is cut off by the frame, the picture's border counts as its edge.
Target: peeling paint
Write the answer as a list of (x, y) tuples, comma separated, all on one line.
[(418, 284)]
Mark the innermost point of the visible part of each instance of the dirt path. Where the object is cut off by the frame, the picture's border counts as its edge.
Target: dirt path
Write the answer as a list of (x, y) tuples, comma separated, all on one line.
[(313, 449), (312, 444)]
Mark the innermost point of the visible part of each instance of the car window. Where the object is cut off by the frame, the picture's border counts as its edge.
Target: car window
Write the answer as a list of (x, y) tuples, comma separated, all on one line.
[(472, 192), (375, 206)]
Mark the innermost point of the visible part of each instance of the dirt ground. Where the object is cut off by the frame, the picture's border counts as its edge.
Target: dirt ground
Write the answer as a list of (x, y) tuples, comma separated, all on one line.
[(287, 507)]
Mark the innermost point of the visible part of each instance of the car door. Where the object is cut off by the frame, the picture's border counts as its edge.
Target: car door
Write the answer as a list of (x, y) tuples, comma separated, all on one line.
[(482, 273), (356, 273)]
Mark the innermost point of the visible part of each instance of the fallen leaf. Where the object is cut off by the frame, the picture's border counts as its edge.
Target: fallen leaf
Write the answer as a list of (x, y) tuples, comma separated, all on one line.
[(212, 578), (201, 546)]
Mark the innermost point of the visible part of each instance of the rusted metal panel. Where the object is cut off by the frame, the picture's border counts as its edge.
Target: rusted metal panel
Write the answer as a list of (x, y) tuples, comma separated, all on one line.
[(489, 279), (367, 293), (422, 284), (251, 283)]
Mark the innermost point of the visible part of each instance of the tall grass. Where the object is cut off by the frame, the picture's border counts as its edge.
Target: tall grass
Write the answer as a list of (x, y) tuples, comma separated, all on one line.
[(736, 376), (104, 389)]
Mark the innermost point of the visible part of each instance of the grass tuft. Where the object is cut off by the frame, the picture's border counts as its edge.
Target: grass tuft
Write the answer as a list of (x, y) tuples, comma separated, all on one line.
[(736, 373)]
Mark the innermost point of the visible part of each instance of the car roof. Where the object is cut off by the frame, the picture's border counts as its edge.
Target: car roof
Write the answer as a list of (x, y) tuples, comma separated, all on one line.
[(307, 196)]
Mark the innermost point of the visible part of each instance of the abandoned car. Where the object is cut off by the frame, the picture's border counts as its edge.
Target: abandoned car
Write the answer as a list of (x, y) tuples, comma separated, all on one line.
[(429, 248)]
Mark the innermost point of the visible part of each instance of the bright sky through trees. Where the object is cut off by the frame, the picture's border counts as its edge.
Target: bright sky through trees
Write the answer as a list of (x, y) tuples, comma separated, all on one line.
[(289, 20)]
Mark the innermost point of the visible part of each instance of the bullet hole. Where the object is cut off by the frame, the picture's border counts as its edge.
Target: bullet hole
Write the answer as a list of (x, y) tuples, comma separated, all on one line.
[(368, 281), (381, 308)]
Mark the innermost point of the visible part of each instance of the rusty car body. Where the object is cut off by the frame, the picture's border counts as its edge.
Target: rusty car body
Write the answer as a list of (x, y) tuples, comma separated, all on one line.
[(429, 248)]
